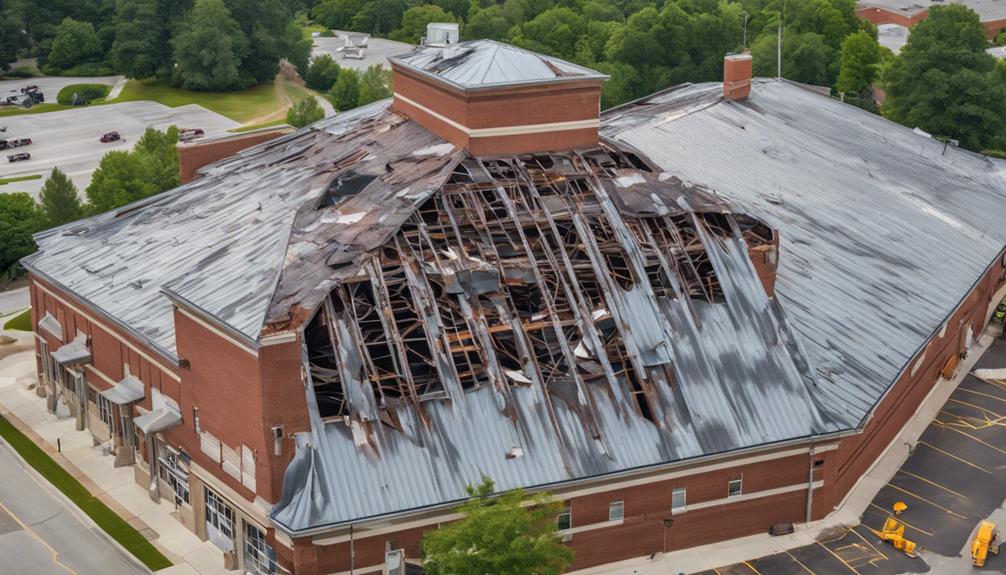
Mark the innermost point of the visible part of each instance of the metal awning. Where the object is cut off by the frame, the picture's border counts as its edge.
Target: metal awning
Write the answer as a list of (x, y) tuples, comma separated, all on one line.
[(158, 420), (73, 353), (126, 391), (51, 325)]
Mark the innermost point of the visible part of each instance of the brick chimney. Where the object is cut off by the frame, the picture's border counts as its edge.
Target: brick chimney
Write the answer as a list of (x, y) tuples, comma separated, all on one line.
[(493, 98), (737, 70)]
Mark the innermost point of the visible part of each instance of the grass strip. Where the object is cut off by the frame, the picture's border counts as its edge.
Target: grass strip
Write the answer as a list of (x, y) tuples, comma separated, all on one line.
[(107, 520), (4, 181), (21, 321)]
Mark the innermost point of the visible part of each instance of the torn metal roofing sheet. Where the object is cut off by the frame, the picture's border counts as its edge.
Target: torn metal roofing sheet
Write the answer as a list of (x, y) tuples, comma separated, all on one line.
[(221, 242), (487, 63), (882, 231)]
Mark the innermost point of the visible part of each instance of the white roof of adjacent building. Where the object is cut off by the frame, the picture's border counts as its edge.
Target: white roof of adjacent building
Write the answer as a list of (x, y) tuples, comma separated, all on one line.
[(892, 36), (987, 9), (487, 63)]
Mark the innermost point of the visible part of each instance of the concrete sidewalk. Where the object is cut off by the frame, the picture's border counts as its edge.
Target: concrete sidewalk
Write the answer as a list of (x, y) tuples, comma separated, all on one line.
[(114, 486), (714, 555)]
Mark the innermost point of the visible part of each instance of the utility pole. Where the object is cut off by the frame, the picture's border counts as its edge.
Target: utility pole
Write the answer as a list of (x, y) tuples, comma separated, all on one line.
[(745, 29), (778, 44)]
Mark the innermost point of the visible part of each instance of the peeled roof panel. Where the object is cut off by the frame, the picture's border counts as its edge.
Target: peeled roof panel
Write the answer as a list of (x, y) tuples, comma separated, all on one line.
[(881, 232)]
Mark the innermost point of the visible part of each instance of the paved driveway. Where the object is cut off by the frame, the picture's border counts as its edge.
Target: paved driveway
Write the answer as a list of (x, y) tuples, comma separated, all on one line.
[(50, 85), (39, 536), (69, 138), (14, 300), (954, 478)]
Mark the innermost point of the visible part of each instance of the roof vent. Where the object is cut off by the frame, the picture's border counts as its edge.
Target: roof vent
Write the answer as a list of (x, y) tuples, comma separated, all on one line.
[(493, 98), (441, 34)]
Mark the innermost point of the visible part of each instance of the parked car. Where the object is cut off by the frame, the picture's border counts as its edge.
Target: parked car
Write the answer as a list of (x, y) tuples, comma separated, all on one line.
[(14, 143), (110, 137), (19, 157), (186, 134)]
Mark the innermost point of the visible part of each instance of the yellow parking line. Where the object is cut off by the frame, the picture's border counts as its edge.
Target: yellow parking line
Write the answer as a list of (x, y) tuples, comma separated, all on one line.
[(948, 454), (933, 483), (989, 395), (881, 553), (800, 563), (30, 531), (844, 562), (986, 444), (920, 498), (978, 407), (751, 567), (889, 514)]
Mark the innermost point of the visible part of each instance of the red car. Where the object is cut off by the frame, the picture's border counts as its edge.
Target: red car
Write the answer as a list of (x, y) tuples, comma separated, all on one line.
[(110, 137), (19, 157)]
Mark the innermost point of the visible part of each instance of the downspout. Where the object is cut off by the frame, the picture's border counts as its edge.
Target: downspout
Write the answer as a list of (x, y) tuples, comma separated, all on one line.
[(810, 484), (352, 551)]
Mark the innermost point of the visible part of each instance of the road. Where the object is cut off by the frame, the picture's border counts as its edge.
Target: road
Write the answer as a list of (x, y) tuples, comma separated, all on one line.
[(954, 478), (39, 536), (69, 138), (14, 300)]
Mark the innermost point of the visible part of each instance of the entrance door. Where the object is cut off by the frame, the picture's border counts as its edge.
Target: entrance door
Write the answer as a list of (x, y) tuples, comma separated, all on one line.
[(219, 522)]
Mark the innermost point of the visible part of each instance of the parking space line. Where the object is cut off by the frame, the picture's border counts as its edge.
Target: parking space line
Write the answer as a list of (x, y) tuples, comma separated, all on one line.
[(933, 483), (989, 395), (751, 567), (800, 563), (835, 555), (858, 534), (978, 407), (986, 444), (921, 498), (907, 524), (948, 454)]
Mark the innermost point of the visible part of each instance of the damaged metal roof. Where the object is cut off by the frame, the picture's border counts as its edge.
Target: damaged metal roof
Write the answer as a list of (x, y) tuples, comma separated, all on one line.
[(489, 64), (882, 231)]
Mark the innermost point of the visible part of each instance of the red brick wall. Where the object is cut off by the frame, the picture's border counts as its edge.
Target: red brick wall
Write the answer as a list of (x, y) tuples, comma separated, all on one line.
[(883, 16), (195, 155)]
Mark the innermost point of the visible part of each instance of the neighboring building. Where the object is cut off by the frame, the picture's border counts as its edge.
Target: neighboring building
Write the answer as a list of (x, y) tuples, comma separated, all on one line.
[(908, 13), (690, 317), (892, 36)]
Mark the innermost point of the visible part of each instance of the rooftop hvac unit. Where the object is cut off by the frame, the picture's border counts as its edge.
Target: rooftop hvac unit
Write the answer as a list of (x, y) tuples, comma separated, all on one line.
[(442, 33), (394, 562)]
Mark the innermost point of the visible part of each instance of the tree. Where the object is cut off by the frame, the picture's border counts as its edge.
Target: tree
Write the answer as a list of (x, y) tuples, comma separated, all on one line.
[(208, 49), (346, 92), (12, 39), (123, 177), (499, 535), (304, 112), (415, 19), (75, 43), (19, 219), (858, 63), (59, 200), (374, 85), (487, 23), (322, 73), (945, 83), (137, 51)]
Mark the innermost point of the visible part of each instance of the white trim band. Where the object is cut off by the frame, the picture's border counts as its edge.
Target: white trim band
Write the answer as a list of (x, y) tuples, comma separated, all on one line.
[(506, 130)]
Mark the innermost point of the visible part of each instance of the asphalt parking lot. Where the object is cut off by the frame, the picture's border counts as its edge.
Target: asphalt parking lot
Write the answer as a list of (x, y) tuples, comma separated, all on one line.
[(69, 138), (954, 478)]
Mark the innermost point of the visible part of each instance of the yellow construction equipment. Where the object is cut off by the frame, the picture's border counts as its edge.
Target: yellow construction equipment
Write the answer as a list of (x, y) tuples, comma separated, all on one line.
[(894, 531), (986, 541)]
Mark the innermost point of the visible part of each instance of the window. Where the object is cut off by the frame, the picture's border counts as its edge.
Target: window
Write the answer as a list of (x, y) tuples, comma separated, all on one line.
[(105, 410), (818, 462), (679, 498), (734, 488), (173, 470), (616, 510), (565, 519), (260, 557), (219, 517)]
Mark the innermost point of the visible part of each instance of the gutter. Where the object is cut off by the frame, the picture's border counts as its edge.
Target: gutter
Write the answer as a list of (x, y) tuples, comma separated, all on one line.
[(208, 317)]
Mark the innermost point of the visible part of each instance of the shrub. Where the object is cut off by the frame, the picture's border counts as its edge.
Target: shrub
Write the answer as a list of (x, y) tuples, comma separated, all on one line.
[(327, 34), (86, 93), (304, 112), (322, 73), (84, 70)]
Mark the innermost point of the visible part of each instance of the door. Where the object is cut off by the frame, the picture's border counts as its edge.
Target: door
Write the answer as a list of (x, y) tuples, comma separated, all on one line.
[(219, 522)]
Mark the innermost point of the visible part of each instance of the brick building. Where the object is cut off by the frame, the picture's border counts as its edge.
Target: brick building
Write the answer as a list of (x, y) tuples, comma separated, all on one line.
[(720, 300), (908, 13)]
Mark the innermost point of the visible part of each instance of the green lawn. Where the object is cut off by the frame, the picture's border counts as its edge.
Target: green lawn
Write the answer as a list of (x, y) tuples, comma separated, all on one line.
[(311, 28), (115, 526), (280, 122), (5, 181), (36, 109), (21, 321), (239, 106)]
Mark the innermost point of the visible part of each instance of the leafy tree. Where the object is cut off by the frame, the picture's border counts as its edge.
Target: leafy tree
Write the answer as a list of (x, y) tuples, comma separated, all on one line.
[(486, 23), (806, 57), (12, 40), (858, 63), (336, 14), (272, 34), (554, 31), (59, 201), (415, 19), (945, 82), (137, 51), (374, 85), (19, 219), (209, 48), (322, 73), (498, 535), (123, 177), (75, 43), (304, 112), (346, 92)]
